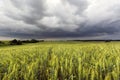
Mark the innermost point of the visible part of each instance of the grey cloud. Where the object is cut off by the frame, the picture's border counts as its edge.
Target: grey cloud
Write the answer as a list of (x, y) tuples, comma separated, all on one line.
[(30, 11), (60, 19), (81, 4), (93, 31), (34, 11)]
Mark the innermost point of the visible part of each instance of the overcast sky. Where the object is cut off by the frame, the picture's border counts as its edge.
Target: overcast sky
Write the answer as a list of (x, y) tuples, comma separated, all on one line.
[(47, 19)]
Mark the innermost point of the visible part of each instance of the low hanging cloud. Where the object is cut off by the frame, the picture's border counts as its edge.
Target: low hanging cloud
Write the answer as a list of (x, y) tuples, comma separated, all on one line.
[(59, 18)]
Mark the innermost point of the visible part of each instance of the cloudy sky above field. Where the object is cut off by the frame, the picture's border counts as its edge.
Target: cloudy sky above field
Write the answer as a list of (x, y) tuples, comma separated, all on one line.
[(83, 19)]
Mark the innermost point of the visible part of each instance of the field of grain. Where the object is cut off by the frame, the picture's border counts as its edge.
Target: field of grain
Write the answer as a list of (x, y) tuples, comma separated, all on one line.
[(61, 61)]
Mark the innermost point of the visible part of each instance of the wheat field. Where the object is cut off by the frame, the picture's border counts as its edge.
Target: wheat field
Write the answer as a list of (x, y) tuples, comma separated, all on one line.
[(61, 61)]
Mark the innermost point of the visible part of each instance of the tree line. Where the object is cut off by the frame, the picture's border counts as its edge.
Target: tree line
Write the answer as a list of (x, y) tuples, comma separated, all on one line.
[(20, 42)]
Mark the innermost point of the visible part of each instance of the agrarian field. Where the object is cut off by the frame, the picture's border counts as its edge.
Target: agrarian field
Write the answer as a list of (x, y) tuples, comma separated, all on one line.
[(61, 61)]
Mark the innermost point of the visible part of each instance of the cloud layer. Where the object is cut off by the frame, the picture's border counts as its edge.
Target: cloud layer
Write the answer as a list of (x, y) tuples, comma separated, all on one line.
[(60, 19)]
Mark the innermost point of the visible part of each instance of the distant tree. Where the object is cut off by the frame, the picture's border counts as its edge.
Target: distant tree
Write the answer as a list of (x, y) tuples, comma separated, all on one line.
[(15, 42), (34, 41), (41, 40), (108, 41), (1, 42), (19, 42), (26, 41)]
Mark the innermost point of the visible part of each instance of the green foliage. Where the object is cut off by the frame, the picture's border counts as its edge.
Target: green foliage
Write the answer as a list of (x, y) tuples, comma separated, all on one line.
[(32, 41), (1, 43), (61, 61), (15, 42)]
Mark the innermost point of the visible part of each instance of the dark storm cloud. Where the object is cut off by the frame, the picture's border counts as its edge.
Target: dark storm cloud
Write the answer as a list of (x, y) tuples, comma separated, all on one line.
[(79, 33), (59, 18)]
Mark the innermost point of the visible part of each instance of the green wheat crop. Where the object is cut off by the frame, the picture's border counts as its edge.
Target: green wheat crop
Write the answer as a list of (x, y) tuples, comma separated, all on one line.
[(61, 61)]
